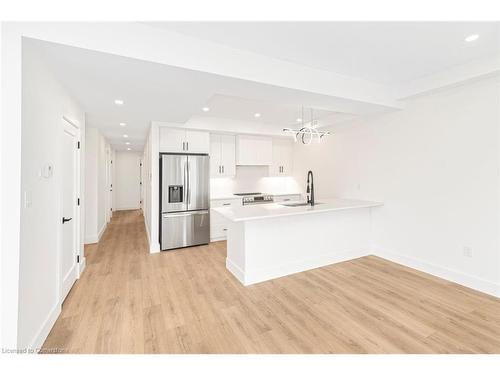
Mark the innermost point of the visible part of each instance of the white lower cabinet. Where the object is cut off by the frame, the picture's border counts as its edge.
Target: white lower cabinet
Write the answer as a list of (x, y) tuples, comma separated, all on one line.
[(218, 224)]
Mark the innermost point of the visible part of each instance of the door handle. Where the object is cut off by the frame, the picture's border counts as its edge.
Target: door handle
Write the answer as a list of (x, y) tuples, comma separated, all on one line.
[(65, 220), (222, 169)]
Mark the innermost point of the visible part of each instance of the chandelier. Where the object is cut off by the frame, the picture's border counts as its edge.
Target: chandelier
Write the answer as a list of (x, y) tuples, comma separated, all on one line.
[(308, 130)]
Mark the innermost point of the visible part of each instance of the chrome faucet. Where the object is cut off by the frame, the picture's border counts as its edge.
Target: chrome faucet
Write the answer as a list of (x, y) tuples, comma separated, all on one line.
[(310, 188)]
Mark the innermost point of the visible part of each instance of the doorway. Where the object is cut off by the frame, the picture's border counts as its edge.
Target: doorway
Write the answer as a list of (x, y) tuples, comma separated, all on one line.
[(70, 170)]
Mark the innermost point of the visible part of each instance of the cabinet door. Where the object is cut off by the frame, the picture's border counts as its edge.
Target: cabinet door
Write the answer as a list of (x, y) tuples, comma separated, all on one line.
[(228, 155), (282, 158), (286, 158), (198, 142), (172, 140), (215, 155), (254, 150)]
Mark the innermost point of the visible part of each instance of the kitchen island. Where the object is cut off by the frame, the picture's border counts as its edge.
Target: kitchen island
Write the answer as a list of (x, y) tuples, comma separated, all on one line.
[(267, 241)]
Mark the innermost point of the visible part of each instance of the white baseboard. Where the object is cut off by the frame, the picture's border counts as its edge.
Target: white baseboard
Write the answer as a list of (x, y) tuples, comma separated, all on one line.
[(217, 239), (154, 247), (91, 239), (127, 208), (249, 277), (101, 232), (44, 330), (455, 276), (83, 263), (94, 238), (236, 271)]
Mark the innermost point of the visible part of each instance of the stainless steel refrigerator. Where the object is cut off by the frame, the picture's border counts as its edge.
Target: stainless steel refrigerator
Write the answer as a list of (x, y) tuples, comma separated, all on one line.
[(185, 200)]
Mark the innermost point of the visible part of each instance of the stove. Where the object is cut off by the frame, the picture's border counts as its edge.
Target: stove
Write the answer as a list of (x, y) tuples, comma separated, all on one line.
[(255, 198)]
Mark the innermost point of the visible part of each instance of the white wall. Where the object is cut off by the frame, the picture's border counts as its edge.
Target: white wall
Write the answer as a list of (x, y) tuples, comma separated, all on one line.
[(127, 186), (44, 103), (151, 197), (97, 188), (90, 198), (435, 166)]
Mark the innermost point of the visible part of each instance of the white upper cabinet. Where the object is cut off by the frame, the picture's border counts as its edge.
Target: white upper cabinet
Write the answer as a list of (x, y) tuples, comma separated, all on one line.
[(254, 150), (282, 158), (197, 142), (222, 155), (172, 140), (184, 141)]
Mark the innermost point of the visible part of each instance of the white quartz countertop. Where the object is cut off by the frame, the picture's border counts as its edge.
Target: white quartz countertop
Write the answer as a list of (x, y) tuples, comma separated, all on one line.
[(271, 210), (232, 196)]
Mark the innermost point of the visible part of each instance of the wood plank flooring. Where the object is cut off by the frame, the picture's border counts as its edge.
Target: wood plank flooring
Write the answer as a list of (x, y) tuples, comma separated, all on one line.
[(185, 301)]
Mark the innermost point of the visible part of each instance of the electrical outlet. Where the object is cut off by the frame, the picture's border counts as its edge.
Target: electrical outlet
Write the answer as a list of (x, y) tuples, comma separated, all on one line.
[(467, 251)]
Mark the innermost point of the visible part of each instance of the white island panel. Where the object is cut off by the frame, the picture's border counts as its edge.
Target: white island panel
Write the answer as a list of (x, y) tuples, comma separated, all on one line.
[(282, 243)]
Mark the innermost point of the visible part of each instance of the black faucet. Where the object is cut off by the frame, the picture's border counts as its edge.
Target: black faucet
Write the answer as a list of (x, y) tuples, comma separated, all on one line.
[(310, 188)]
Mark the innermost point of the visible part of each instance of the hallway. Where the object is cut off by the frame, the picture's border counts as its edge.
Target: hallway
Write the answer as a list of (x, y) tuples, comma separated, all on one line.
[(185, 301)]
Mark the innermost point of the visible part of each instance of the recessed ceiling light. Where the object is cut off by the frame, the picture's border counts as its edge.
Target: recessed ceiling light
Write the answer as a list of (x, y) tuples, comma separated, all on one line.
[(471, 38), (123, 124), (205, 109), (125, 136), (257, 115), (299, 120), (118, 102), (127, 143), (128, 149)]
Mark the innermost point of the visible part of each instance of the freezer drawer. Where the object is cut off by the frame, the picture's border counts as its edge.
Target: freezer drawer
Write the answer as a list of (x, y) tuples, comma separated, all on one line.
[(182, 229)]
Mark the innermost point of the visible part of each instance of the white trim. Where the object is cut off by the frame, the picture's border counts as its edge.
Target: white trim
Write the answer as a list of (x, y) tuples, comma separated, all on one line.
[(94, 238), (101, 232), (47, 325), (127, 208), (470, 281), (217, 239), (253, 276), (83, 263), (71, 122), (91, 239), (153, 247), (236, 271)]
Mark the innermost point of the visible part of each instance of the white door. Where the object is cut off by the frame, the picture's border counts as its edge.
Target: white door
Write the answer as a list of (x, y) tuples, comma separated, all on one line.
[(69, 244), (110, 184)]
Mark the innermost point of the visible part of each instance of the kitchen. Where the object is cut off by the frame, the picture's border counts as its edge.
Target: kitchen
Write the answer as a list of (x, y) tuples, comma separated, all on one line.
[(194, 211)]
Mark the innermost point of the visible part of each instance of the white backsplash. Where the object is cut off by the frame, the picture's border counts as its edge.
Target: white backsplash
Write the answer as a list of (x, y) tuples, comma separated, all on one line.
[(253, 179)]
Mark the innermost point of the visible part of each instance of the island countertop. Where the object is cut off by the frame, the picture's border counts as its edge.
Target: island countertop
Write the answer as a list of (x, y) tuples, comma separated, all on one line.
[(271, 210)]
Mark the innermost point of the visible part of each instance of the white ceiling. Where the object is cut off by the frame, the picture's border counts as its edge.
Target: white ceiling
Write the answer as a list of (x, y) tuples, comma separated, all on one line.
[(157, 92), (390, 53), (272, 113), (384, 52)]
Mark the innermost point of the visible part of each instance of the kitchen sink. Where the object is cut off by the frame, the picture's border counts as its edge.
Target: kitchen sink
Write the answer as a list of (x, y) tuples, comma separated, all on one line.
[(298, 204)]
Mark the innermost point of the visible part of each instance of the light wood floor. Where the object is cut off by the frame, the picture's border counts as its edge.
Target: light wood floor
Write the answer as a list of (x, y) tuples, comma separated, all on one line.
[(185, 301)]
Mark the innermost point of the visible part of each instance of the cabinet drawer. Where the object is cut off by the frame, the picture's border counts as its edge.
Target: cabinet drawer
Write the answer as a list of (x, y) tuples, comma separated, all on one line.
[(234, 202), (218, 231), (287, 198)]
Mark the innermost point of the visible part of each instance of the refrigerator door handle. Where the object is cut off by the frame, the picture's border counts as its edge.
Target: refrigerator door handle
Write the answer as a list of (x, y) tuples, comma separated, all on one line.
[(183, 214), (188, 187)]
